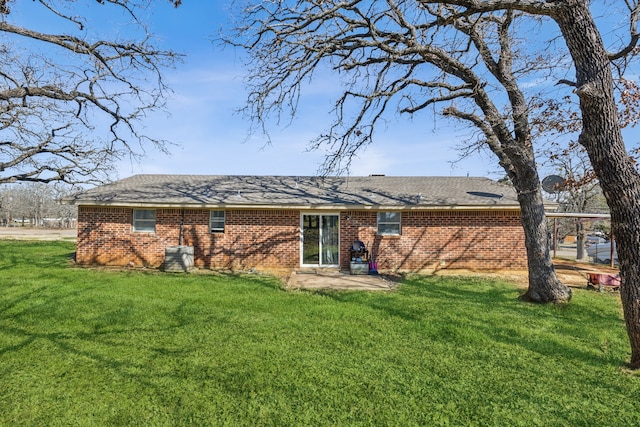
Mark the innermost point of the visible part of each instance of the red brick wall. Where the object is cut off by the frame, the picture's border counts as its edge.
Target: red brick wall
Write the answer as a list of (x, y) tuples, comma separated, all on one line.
[(429, 240), (252, 238), (271, 239)]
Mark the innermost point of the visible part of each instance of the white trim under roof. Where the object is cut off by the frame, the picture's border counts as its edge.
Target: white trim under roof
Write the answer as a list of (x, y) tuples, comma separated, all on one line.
[(121, 204), (577, 215)]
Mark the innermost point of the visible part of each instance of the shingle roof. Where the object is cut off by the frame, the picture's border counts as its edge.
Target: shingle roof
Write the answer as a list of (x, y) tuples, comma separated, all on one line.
[(300, 192)]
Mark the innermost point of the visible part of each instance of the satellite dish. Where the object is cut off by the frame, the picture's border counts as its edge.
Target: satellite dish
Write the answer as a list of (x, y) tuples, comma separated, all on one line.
[(552, 183)]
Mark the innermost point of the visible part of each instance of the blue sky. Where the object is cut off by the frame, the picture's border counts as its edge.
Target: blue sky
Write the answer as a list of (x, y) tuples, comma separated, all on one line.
[(209, 137)]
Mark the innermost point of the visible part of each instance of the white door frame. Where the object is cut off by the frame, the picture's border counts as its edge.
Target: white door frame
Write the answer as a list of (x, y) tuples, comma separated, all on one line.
[(320, 215)]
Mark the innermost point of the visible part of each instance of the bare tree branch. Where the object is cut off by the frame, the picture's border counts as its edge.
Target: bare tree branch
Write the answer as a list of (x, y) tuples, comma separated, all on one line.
[(460, 54), (72, 103), (393, 57), (634, 14)]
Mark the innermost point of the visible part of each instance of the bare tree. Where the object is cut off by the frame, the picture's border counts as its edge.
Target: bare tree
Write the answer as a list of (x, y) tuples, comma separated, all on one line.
[(406, 56), (601, 127), (383, 46), (559, 121), (310, 32), (7, 206), (16, 205), (580, 191), (36, 204), (64, 214), (71, 102)]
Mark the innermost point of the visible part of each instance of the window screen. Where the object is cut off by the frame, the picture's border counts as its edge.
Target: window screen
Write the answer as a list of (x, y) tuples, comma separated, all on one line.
[(389, 223), (216, 222), (144, 220)]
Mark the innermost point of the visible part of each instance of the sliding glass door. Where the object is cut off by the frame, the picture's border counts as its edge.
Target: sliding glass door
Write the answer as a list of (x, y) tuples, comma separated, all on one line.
[(320, 240)]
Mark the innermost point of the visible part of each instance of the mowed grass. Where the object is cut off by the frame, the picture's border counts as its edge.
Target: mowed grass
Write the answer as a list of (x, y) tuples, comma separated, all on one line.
[(100, 347)]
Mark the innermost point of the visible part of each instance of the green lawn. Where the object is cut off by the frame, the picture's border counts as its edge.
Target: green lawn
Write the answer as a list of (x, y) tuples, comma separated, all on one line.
[(95, 347)]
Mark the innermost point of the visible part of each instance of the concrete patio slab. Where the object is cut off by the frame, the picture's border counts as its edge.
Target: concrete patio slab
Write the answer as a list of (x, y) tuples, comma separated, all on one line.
[(338, 280), (570, 273)]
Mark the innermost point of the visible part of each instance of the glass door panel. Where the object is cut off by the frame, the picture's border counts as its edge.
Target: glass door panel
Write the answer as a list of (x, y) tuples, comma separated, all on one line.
[(330, 245), (311, 239), (320, 240)]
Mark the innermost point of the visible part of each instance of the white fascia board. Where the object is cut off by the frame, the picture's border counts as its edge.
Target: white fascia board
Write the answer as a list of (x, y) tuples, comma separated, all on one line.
[(577, 215), (124, 204)]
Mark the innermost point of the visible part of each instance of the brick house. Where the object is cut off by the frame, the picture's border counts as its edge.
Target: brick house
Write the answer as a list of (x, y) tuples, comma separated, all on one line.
[(287, 222)]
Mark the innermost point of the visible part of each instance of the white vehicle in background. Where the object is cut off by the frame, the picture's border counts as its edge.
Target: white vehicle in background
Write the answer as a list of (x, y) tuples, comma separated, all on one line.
[(601, 252), (596, 239)]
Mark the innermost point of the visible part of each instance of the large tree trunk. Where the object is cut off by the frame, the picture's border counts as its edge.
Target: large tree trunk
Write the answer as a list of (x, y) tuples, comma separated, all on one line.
[(602, 138), (581, 235), (544, 285)]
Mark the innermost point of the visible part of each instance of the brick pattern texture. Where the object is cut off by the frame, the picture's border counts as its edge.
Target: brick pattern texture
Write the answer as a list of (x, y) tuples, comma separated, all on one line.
[(270, 239)]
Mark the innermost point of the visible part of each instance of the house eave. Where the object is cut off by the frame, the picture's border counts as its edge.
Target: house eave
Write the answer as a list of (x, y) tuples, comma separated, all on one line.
[(578, 215), (302, 207)]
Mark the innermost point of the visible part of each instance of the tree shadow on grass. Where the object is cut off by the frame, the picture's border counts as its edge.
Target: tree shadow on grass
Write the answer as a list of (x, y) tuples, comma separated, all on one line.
[(34, 254), (266, 281), (413, 298), (452, 305), (493, 310), (100, 339)]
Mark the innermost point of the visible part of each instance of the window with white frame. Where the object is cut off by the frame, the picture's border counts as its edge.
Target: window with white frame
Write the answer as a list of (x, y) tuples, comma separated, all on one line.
[(389, 223), (216, 221), (144, 220)]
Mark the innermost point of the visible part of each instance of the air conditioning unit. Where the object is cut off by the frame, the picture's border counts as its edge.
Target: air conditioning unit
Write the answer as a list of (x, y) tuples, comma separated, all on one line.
[(178, 258)]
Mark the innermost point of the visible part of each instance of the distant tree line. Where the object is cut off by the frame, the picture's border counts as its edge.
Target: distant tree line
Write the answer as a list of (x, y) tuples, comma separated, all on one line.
[(36, 205)]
